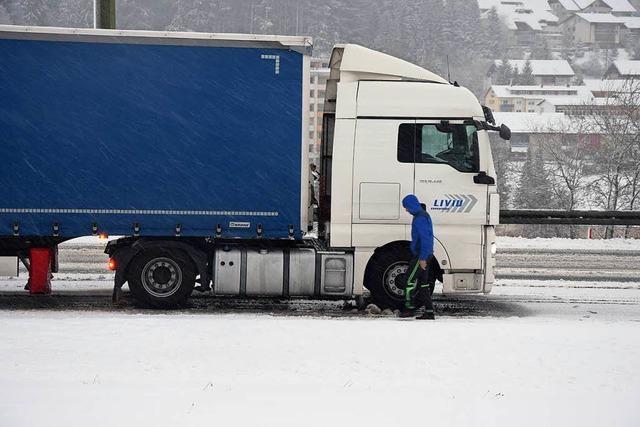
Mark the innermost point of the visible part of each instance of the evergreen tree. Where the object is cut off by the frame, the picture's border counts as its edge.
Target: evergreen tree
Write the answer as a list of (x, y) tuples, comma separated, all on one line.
[(534, 190), (526, 77), (504, 72), (593, 67), (515, 77), (494, 35), (471, 26)]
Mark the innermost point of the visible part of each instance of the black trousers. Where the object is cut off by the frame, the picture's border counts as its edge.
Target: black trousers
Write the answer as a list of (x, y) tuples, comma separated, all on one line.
[(420, 286)]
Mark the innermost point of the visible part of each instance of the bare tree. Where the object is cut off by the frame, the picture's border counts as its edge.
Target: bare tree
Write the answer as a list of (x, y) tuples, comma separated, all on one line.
[(629, 100), (617, 161), (501, 154), (566, 149)]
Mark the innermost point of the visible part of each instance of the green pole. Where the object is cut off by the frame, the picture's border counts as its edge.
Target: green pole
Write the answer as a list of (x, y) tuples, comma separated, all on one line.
[(105, 16)]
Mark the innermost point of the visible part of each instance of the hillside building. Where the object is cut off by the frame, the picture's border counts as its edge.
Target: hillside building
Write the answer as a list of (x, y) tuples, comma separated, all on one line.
[(623, 70), (545, 72)]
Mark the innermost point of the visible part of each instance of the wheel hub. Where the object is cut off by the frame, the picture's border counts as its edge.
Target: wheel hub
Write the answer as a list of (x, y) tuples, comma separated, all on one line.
[(161, 277), (395, 279)]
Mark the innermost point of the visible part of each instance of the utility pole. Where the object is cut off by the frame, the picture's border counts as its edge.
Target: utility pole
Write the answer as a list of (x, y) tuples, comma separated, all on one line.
[(253, 9), (104, 14)]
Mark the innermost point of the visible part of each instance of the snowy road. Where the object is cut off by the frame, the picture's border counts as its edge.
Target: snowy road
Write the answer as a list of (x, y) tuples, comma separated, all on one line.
[(557, 264), (535, 278), (533, 353)]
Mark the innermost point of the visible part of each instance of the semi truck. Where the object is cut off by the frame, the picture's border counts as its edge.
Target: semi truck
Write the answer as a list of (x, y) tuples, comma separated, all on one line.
[(194, 146)]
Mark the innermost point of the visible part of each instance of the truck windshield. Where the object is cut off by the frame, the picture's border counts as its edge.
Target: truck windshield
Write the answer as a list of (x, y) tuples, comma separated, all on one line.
[(452, 144)]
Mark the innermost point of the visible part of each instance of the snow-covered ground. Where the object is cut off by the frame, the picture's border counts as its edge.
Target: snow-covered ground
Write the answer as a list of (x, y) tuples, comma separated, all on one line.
[(78, 369), (536, 352), (504, 242)]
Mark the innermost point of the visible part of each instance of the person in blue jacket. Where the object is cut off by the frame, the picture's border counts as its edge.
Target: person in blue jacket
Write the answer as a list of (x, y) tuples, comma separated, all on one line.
[(419, 285)]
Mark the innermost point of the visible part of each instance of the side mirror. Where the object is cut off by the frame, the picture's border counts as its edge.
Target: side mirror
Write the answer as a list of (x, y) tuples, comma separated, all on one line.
[(488, 115), (505, 132), (483, 178), (475, 151)]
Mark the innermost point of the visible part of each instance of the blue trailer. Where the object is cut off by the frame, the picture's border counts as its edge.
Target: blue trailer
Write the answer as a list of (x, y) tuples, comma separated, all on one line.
[(152, 134), (193, 145)]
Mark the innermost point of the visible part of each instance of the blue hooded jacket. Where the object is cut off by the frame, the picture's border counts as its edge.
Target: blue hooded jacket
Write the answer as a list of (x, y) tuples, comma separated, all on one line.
[(421, 228)]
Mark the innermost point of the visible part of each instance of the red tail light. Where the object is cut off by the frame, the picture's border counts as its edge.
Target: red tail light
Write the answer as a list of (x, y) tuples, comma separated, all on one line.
[(112, 264)]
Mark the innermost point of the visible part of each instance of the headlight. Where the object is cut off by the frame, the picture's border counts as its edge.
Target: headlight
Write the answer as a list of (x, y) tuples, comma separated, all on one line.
[(494, 249)]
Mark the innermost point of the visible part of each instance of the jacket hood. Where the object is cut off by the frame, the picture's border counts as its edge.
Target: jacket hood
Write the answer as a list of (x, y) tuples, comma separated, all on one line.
[(412, 204)]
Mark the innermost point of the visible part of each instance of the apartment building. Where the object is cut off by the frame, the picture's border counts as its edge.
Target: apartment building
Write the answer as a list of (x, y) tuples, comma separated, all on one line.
[(525, 99), (623, 70), (545, 72), (319, 76), (565, 8)]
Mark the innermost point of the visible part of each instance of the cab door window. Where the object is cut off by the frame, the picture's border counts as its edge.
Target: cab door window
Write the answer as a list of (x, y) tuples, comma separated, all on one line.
[(453, 144)]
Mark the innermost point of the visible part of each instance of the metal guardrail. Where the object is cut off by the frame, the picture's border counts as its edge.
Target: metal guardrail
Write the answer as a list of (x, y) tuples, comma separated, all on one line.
[(553, 217)]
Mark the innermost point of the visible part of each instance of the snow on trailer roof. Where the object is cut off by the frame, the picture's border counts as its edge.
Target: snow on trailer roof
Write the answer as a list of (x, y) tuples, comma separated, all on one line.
[(301, 44)]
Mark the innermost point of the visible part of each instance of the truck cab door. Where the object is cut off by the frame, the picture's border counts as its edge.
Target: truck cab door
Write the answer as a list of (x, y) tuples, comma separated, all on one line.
[(380, 182), (447, 158)]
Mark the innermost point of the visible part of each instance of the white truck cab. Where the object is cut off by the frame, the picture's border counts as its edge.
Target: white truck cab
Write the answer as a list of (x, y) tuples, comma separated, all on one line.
[(394, 129)]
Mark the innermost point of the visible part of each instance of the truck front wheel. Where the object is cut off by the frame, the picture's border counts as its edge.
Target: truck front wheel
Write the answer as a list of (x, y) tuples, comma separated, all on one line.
[(161, 278), (386, 275)]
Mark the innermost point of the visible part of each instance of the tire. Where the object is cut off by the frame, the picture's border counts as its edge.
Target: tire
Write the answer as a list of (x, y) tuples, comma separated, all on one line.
[(161, 278), (386, 277)]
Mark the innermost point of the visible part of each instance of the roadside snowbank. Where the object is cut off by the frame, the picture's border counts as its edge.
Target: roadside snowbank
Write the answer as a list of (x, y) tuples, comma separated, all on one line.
[(105, 369), (88, 241), (557, 243)]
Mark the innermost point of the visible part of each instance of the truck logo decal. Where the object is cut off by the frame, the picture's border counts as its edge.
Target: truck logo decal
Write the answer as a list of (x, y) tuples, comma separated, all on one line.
[(275, 58), (455, 203), (135, 212)]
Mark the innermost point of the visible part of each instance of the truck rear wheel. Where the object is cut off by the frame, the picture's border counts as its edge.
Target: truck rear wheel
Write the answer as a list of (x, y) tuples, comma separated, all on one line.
[(386, 275), (161, 278)]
